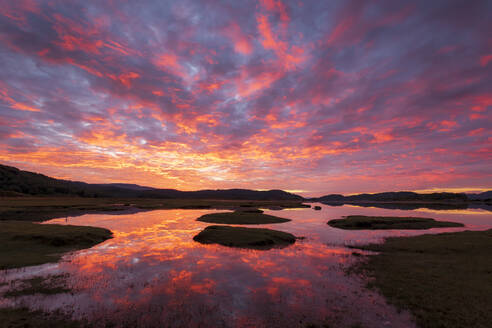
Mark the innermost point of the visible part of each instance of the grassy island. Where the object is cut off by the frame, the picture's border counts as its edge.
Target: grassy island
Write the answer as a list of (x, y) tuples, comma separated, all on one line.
[(254, 238), (361, 222), (241, 217)]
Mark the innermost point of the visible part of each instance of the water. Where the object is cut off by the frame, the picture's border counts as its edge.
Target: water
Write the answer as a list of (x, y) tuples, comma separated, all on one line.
[(152, 274)]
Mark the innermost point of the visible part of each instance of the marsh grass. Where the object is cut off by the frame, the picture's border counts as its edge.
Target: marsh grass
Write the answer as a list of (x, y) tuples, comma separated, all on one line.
[(25, 318), (445, 280), (26, 243), (241, 217), (40, 285), (362, 222), (254, 238)]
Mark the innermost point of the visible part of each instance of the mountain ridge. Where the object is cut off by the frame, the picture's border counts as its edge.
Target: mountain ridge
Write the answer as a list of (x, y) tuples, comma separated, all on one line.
[(405, 196), (17, 182)]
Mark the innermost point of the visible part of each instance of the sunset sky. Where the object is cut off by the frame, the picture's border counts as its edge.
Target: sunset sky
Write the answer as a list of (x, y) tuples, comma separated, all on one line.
[(314, 97)]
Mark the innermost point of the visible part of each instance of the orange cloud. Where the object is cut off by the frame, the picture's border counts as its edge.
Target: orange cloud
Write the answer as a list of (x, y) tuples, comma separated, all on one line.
[(289, 56), (125, 78), (242, 43), (15, 104)]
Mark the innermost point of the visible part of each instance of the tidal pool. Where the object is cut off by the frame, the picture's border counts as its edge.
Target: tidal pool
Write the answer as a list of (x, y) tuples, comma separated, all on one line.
[(152, 273)]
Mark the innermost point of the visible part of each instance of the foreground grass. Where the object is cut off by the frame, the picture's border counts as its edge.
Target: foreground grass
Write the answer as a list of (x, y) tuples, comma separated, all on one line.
[(445, 280), (24, 318), (254, 238), (362, 222), (27, 243), (241, 217), (39, 285), (45, 208)]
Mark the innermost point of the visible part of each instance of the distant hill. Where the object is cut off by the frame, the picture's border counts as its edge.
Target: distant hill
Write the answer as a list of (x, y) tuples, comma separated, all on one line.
[(128, 186), (17, 182), (485, 196), (400, 196)]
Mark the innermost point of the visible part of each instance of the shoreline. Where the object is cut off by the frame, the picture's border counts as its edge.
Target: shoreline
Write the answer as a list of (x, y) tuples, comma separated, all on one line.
[(45, 208)]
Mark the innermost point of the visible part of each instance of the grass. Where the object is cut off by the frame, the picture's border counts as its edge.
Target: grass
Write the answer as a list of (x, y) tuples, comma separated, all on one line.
[(241, 217), (45, 208), (26, 243), (24, 318), (445, 280), (40, 285), (361, 222), (253, 238)]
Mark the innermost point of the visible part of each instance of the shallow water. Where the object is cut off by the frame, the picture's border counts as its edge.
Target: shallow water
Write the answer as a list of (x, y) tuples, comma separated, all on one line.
[(152, 274)]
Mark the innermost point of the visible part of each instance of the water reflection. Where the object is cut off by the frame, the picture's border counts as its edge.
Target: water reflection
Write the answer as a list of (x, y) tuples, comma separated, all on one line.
[(153, 274), (415, 206)]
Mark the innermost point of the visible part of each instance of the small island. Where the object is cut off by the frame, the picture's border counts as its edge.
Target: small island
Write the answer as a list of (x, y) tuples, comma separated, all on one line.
[(253, 238), (362, 222), (241, 217)]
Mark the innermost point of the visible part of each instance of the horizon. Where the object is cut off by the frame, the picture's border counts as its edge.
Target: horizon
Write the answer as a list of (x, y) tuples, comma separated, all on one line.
[(308, 97), (304, 194)]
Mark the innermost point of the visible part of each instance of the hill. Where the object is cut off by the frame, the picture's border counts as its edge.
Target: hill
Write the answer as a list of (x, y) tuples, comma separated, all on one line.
[(484, 196), (402, 196), (17, 182)]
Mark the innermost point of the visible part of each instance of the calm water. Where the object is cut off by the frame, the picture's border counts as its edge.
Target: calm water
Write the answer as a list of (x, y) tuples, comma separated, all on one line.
[(152, 274)]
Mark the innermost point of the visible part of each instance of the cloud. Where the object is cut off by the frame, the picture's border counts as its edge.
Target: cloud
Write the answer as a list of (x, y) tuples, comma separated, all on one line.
[(327, 96)]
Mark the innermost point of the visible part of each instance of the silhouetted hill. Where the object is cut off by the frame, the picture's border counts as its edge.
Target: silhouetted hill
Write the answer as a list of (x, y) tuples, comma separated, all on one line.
[(400, 196), (241, 194), (14, 181), (484, 196), (125, 186)]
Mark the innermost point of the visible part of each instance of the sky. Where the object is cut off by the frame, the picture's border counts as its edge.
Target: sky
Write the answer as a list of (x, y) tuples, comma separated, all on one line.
[(314, 97)]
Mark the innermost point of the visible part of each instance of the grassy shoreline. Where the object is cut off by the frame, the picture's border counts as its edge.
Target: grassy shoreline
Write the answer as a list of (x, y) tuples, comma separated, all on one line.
[(46, 208), (445, 279), (27, 243)]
